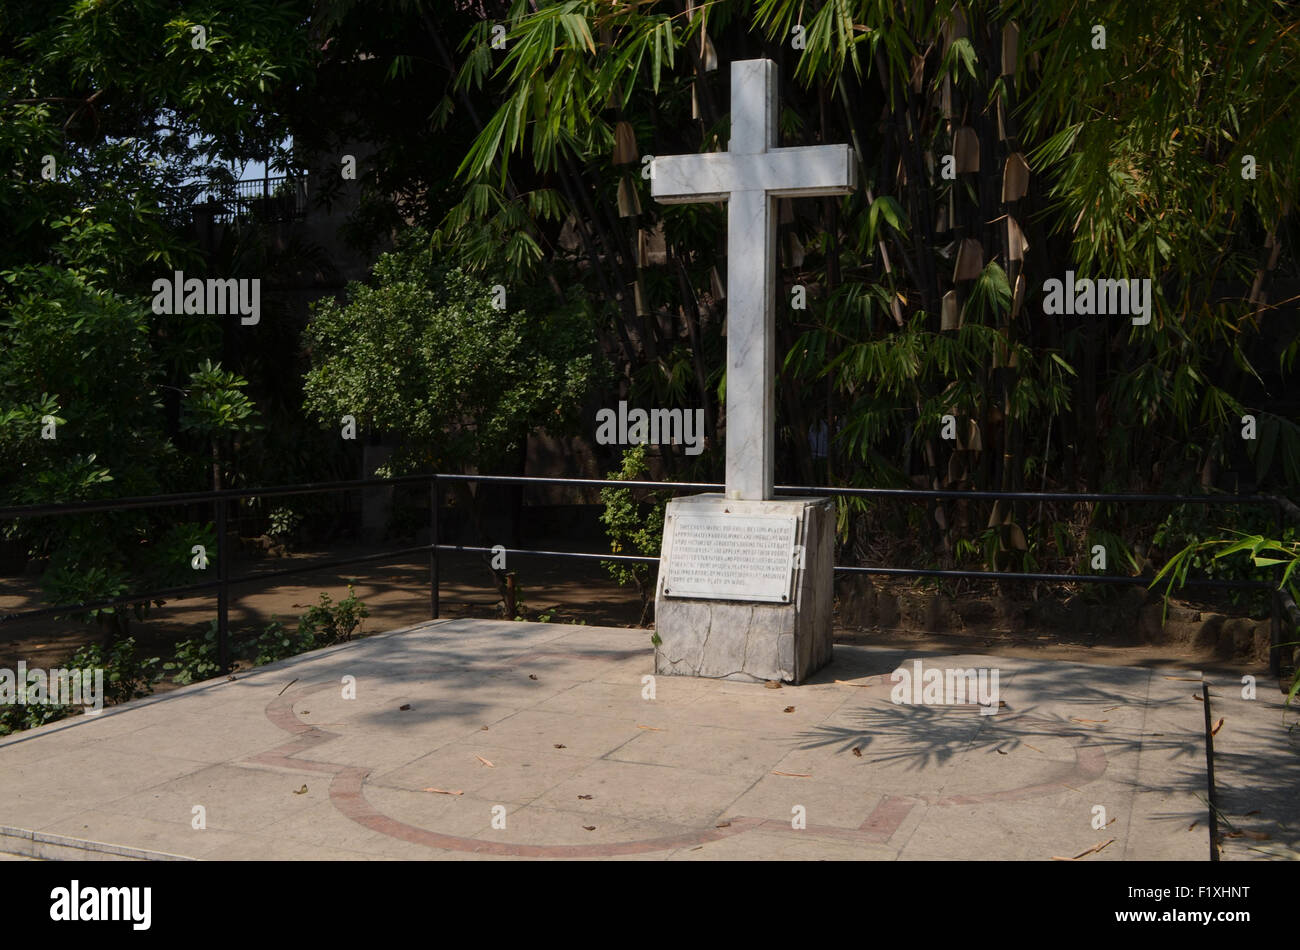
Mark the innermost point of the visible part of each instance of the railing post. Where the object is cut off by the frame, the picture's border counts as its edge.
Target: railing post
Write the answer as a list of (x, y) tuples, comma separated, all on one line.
[(223, 589), (1275, 603), (433, 546)]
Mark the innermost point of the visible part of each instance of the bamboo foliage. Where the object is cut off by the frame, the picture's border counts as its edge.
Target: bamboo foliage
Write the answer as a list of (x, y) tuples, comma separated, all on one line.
[(936, 297)]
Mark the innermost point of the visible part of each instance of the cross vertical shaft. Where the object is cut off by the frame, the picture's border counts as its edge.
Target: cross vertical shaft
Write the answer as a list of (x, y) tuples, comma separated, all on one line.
[(750, 176), (751, 330)]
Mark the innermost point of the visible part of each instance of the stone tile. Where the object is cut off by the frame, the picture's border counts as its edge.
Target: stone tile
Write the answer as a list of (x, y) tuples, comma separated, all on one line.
[(47, 790), (460, 815), (325, 826), (623, 699), (542, 825), (1025, 831), (758, 709), (536, 730), (774, 797), (202, 738), (782, 846), (236, 798), (515, 777), (704, 749), (650, 792), (1167, 826), (377, 752), (261, 848)]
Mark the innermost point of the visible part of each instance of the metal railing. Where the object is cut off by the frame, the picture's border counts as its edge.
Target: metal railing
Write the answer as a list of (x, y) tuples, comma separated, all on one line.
[(271, 199), (221, 500)]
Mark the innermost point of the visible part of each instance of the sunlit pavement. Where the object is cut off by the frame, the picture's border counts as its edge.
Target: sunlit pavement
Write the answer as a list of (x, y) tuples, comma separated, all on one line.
[(487, 739)]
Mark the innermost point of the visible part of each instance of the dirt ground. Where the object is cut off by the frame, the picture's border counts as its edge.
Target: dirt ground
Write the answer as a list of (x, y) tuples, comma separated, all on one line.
[(397, 594)]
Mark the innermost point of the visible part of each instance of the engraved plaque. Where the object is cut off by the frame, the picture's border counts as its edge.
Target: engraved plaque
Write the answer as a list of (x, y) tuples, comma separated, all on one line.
[(731, 557)]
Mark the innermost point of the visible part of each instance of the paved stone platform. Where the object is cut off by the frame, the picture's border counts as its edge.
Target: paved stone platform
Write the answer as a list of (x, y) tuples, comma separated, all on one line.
[(460, 727), (1256, 769)]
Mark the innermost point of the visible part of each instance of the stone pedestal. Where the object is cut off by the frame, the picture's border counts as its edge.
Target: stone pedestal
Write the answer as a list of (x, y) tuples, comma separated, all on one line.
[(722, 608)]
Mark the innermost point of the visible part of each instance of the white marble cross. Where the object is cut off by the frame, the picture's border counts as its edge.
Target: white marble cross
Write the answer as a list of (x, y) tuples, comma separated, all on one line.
[(750, 176)]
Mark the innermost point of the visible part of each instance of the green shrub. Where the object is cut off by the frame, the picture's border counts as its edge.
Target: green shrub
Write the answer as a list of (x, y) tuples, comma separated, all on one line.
[(127, 675), (325, 624), (329, 623), (277, 643), (196, 660), (18, 716), (633, 527)]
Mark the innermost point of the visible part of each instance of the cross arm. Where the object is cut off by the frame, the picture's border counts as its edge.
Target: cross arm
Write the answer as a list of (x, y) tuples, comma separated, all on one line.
[(807, 171), (781, 172), (678, 179)]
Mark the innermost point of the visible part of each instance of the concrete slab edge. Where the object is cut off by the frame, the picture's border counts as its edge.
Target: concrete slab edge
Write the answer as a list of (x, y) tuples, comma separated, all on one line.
[(50, 847)]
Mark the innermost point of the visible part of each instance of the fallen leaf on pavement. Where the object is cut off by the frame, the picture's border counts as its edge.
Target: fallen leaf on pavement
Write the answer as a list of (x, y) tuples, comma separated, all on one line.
[(560, 745), (585, 798), (485, 761), (301, 791), (789, 709), (1095, 848), (588, 827), (443, 791), (772, 684), (723, 824), (404, 707), (1217, 726), (857, 750), (651, 728), (1083, 854)]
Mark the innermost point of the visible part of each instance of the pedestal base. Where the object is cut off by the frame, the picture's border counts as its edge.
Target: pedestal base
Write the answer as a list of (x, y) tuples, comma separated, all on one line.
[(748, 640)]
